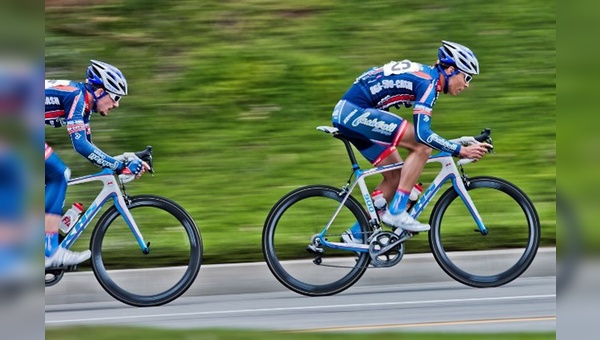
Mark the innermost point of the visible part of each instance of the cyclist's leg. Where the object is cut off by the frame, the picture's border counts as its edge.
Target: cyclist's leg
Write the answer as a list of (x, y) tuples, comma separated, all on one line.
[(375, 133), (54, 197), (391, 179), (387, 186), (413, 166), (415, 161), (56, 176)]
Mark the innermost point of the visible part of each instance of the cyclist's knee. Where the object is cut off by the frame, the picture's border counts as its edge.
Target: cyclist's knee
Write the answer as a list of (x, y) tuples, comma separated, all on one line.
[(55, 169), (392, 176), (423, 150), (56, 191)]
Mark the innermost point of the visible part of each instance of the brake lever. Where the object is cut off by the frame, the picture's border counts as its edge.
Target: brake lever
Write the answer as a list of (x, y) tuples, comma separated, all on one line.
[(486, 137), (146, 156), (490, 148)]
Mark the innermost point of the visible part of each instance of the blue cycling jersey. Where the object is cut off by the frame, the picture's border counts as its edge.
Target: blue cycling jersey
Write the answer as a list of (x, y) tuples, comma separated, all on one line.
[(408, 84), (68, 104)]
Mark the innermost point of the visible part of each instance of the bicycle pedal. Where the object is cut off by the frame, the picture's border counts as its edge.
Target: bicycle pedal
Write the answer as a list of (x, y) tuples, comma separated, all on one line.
[(71, 268), (402, 233)]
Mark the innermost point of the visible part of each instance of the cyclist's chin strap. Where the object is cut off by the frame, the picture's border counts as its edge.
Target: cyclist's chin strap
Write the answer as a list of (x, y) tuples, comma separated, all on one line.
[(90, 89), (446, 76)]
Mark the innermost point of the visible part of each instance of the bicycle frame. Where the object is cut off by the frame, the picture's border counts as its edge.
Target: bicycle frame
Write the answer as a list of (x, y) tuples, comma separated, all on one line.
[(110, 190), (449, 171)]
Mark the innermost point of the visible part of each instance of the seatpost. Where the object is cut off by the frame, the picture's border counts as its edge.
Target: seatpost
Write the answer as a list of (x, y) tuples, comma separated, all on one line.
[(349, 150)]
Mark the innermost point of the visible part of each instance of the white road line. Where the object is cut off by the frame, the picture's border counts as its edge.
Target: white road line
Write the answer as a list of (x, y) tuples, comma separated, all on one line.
[(262, 310)]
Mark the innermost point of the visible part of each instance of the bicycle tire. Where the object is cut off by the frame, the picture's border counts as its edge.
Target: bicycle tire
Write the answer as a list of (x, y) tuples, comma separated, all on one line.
[(503, 198), (296, 211), (156, 209)]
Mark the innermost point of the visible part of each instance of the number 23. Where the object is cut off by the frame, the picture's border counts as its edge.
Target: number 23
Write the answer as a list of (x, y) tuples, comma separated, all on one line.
[(398, 67)]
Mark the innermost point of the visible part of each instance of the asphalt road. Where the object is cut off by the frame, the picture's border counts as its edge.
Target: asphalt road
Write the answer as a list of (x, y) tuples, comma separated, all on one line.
[(415, 295)]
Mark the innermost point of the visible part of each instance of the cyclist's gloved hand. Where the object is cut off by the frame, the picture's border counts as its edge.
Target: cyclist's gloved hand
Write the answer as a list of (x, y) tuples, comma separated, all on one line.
[(465, 140), (134, 169), (126, 157)]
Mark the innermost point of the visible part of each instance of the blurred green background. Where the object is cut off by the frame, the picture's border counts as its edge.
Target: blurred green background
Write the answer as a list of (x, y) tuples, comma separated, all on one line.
[(229, 94)]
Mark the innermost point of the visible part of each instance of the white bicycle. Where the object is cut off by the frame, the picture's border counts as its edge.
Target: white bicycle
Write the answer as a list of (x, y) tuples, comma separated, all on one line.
[(141, 231), (480, 213)]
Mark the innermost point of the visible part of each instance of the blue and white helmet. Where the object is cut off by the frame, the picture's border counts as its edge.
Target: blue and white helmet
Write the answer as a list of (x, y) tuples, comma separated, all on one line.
[(107, 76), (458, 56)]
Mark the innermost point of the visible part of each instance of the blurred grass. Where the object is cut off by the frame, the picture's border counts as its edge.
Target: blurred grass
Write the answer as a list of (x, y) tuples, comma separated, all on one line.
[(577, 146), (229, 94), (67, 333)]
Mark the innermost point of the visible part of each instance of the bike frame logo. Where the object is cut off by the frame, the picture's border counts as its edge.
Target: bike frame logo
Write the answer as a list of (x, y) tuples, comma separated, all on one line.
[(369, 203), (78, 227), (426, 196)]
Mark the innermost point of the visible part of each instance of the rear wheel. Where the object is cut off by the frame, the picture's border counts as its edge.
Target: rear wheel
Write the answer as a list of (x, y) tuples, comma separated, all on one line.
[(291, 226)]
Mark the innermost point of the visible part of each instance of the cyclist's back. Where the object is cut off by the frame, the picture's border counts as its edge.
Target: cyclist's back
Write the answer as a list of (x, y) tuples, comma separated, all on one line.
[(62, 98), (395, 83)]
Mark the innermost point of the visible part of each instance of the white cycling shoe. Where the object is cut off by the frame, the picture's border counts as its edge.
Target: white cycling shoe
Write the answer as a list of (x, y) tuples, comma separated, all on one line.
[(404, 221), (348, 237), (65, 257)]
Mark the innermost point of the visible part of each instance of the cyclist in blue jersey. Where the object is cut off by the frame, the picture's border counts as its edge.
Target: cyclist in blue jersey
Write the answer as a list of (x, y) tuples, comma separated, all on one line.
[(71, 104), (362, 116)]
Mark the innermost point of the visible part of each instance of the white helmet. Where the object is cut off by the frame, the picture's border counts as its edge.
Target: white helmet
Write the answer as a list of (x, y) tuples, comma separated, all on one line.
[(458, 56), (108, 77)]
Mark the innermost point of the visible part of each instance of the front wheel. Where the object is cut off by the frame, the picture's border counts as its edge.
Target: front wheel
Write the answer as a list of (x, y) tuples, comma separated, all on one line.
[(292, 225), (485, 260), (175, 246)]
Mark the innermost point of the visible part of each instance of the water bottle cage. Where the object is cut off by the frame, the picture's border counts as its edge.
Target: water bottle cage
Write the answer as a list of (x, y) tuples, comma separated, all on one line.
[(381, 210), (410, 204)]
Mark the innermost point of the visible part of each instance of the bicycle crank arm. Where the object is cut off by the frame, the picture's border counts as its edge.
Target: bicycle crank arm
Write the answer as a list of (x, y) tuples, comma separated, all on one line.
[(393, 245), (53, 270)]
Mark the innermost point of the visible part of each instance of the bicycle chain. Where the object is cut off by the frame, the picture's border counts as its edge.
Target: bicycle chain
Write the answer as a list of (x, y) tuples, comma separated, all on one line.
[(350, 267)]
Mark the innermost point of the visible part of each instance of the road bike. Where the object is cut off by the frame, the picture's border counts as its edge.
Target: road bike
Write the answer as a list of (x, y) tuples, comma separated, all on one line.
[(145, 231), (306, 224)]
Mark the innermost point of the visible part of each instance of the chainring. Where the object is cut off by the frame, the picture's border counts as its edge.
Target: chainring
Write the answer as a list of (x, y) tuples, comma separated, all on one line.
[(53, 276), (389, 258)]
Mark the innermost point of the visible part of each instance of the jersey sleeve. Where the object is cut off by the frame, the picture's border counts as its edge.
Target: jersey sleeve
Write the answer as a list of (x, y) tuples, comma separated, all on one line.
[(88, 128), (79, 131), (426, 95)]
